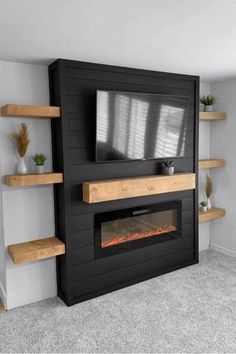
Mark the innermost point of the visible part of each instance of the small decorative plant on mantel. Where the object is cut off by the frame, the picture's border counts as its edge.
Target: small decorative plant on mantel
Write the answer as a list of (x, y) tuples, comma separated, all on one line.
[(208, 102), (39, 160), (22, 140), (168, 168), (203, 205)]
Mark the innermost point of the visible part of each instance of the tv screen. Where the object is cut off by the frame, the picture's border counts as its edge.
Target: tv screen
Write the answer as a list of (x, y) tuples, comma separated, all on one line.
[(140, 126)]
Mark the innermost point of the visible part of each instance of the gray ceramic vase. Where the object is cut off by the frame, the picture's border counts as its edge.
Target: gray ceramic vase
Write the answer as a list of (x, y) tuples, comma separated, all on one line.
[(169, 171)]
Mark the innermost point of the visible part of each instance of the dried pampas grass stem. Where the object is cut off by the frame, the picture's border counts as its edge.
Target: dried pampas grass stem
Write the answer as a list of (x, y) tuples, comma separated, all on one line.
[(21, 139), (208, 186)]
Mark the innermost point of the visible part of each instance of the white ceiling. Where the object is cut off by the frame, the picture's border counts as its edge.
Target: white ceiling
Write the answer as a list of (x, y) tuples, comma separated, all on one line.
[(185, 36)]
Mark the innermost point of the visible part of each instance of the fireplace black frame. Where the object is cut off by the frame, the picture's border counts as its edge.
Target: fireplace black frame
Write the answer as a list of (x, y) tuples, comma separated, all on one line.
[(100, 252), (81, 276)]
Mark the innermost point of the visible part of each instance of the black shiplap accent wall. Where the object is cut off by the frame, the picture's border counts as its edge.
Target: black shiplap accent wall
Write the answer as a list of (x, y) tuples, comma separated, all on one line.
[(73, 87)]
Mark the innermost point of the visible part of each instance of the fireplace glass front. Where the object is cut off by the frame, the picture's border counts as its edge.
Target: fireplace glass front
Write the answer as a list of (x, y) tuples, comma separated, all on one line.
[(121, 230)]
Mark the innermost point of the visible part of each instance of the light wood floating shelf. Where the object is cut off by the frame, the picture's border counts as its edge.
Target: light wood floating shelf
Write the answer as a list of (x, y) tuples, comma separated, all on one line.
[(114, 189), (35, 250), (28, 111), (34, 179), (211, 116), (211, 163), (212, 214)]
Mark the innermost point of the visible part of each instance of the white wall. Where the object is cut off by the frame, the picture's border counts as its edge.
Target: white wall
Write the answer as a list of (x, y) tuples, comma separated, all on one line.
[(204, 153), (2, 251), (223, 144), (28, 212)]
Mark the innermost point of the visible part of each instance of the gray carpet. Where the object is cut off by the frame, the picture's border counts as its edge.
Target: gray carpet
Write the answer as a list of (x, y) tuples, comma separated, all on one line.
[(192, 310)]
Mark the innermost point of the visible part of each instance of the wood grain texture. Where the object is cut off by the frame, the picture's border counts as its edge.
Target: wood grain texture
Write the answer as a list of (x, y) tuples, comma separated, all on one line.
[(29, 111), (107, 190), (210, 116), (212, 214), (33, 179), (211, 163), (35, 250)]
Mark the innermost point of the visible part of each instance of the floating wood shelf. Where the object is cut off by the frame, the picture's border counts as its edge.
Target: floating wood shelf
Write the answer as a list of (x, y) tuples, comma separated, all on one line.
[(35, 250), (211, 163), (210, 116), (28, 111), (34, 179), (114, 189), (212, 214)]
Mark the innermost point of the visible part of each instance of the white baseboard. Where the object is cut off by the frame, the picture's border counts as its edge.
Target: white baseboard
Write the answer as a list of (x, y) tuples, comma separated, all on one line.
[(3, 295), (28, 296), (222, 250)]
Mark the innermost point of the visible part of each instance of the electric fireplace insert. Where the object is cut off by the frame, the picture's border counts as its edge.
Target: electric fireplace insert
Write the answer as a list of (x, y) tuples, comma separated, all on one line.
[(126, 229)]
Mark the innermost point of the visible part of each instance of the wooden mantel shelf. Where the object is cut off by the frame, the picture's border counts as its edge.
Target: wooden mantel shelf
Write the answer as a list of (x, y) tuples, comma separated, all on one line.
[(29, 111), (35, 250), (34, 179), (211, 163), (211, 116), (212, 214), (114, 189)]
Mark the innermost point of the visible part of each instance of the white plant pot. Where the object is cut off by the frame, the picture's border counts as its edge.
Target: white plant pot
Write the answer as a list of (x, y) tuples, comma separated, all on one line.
[(208, 204), (39, 169), (204, 208), (169, 171), (21, 167), (208, 108)]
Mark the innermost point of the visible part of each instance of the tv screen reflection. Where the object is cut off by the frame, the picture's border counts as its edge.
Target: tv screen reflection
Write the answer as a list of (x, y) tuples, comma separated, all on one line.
[(135, 126)]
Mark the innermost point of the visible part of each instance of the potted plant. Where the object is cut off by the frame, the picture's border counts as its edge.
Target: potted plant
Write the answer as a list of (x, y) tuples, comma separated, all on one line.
[(208, 102), (21, 138), (203, 205), (168, 168), (39, 160), (208, 190)]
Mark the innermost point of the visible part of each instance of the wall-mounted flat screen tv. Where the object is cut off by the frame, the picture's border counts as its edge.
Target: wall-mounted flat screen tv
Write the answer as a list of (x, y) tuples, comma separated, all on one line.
[(140, 126)]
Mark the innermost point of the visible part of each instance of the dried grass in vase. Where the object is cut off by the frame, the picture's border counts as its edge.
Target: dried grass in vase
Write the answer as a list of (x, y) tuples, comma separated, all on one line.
[(208, 190), (21, 139)]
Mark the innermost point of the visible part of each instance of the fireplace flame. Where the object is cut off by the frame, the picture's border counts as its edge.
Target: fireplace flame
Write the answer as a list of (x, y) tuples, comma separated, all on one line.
[(138, 235)]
